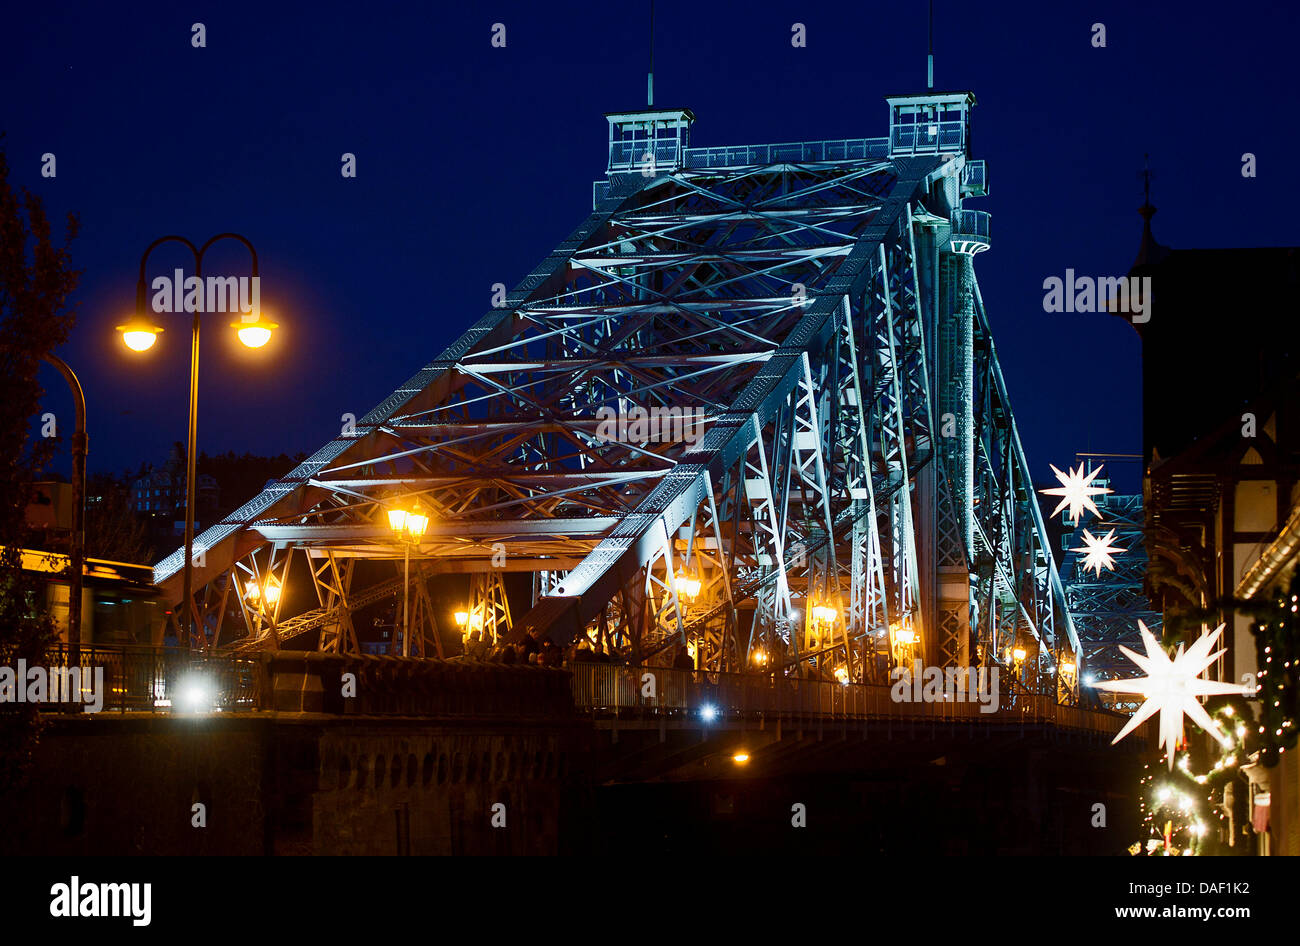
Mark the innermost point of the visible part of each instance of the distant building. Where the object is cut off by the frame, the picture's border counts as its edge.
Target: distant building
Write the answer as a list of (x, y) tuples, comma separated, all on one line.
[(119, 603), (161, 492)]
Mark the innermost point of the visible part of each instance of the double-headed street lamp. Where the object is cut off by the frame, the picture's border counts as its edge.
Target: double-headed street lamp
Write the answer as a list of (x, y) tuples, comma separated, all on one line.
[(409, 528), (140, 334)]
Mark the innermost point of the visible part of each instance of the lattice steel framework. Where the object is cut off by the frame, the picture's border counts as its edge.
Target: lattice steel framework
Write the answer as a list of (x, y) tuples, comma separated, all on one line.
[(810, 421), (1107, 606)]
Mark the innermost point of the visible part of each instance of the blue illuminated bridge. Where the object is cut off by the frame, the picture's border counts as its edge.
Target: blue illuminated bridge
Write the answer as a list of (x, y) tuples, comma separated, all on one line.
[(750, 409), (744, 430)]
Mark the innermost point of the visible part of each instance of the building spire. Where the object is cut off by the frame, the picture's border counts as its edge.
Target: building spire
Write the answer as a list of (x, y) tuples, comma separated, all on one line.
[(1150, 251)]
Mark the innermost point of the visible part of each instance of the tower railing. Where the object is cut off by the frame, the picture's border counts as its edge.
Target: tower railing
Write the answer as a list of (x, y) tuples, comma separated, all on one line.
[(975, 179), (840, 149), (971, 223), (632, 154), (928, 137)]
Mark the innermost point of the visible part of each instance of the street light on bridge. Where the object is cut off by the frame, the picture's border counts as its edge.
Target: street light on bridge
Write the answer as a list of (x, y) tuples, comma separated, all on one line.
[(821, 625), (253, 592), (904, 640), (687, 587), (409, 528), (1066, 682), (824, 616), (469, 622)]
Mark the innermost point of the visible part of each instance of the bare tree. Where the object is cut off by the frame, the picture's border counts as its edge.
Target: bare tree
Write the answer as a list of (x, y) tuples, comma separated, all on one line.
[(113, 530), (36, 279)]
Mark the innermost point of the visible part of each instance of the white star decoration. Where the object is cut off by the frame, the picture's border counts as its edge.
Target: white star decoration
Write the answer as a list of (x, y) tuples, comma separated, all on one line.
[(1076, 491), (1098, 552), (1171, 688)]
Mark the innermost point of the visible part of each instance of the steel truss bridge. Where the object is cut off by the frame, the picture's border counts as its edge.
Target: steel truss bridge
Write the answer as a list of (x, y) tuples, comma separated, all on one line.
[(750, 406)]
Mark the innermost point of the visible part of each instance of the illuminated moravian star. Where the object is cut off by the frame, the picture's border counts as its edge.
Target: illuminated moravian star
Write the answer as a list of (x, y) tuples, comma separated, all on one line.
[(1098, 552), (1076, 492), (1171, 688)]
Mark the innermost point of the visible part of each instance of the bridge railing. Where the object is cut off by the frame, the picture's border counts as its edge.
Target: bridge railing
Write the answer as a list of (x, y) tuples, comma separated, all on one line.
[(127, 679), (132, 678), (152, 679), (615, 690)]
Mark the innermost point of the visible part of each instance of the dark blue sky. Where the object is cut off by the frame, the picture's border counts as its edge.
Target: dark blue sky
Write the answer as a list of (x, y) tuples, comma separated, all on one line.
[(473, 162)]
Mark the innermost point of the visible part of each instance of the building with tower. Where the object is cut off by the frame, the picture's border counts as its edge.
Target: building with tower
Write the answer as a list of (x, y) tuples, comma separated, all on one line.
[(1221, 456)]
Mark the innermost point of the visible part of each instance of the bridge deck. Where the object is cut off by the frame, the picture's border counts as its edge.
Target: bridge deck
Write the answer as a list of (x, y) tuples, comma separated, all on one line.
[(621, 692), (171, 680)]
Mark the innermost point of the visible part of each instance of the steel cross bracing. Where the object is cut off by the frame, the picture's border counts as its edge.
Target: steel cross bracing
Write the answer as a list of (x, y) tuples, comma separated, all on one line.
[(1108, 605), (761, 335)]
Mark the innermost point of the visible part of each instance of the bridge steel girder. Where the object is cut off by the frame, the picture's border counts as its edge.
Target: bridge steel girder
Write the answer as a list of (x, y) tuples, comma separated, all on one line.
[(1014, 571), (779, 319)]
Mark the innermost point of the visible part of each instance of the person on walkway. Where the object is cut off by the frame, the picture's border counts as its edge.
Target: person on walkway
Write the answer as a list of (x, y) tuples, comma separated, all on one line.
[(532, 644)]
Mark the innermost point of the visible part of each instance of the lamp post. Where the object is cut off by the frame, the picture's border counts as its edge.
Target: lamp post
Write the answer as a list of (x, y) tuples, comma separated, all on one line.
[(139, 335), (819, 638), (77, 558), (904, 642), (1069, 672), (687, 589), (1018, 655), (823, 621), (409, 528), (255, 595)]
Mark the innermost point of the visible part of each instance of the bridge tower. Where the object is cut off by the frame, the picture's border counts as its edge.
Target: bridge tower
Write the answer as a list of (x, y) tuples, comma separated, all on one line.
[(948, 238), (750, 408)]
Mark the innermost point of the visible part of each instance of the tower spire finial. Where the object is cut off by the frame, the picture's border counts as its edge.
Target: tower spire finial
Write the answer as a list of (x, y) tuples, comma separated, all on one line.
[(1147, 210), (650, 78), (1149, 251), (929, 59)]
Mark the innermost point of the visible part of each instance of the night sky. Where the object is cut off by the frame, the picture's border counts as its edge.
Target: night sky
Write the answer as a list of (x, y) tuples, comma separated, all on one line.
[(473, 162)]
